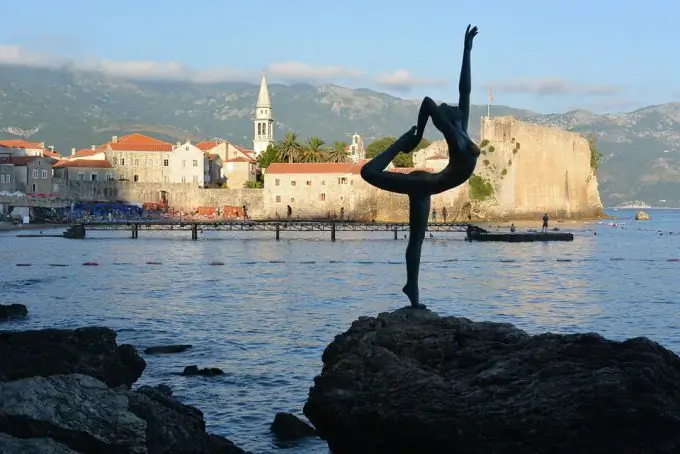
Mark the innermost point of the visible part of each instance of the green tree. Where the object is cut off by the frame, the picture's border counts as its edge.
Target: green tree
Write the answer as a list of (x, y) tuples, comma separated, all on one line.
[(290, 149), (269, 156), (595, 154), (314, 150), (338, 152), (402, 160)]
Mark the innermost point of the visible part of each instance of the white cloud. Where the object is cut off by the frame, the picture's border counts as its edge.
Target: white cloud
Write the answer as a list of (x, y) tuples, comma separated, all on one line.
[(553, 86), (402, 79), (173, 70)]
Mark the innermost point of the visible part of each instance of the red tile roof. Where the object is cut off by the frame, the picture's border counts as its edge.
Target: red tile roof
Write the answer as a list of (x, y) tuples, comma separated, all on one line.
[(324, 167), (241, 159), (17, 143), (139, 142), (327, 167), (207, 145), (51, 154), (20, 161), (243, 149), (86, 163)]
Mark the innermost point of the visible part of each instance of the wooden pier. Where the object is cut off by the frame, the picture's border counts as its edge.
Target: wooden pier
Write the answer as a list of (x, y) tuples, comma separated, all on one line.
[(195, 227)]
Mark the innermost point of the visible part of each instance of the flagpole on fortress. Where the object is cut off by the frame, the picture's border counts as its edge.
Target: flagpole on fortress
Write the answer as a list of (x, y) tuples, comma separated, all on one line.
[(488, 105)]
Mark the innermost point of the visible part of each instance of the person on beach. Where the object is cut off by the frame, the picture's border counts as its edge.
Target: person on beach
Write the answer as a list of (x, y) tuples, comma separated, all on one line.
[(421, 185), (544, 229), (444, 214)]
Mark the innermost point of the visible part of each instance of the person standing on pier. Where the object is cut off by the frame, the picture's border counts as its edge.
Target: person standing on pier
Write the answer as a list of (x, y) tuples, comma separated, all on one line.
[(420, 185), (245, 213), (289, 212), (444, 214), (342, 213), (545, 223), (434, 215)]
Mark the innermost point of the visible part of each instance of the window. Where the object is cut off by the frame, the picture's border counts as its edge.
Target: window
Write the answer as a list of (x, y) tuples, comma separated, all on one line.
[(187, 148), (342, 180), (166, 162), (323, 182), (35, 174), (277, 182), (184, 163), (136, 162), (135, 178), (292, 183), (149, 162), (322, 197), (8, 178), (122, 161), (34, 187), (2, 178), (195, 163), (195, 179), (166, 179), (184, 179), (81, 176), (278, 198), (308, 183), (44, 174), (114, 161), (109, 177), (93, 177), (292, 199)]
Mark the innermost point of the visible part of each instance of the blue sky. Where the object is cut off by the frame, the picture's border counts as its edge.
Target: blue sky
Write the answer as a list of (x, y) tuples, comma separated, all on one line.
[(546, 56)]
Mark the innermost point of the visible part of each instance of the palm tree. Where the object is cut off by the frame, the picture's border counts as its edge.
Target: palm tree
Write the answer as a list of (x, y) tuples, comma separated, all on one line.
[(315, 151), (289, 148), (338, 153)]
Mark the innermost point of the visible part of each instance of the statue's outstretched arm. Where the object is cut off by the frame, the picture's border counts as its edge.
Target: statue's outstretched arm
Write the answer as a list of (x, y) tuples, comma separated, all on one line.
[(465, 82)]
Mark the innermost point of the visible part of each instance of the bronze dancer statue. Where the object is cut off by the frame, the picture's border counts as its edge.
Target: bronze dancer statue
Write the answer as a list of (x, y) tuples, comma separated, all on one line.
[(420, 185)]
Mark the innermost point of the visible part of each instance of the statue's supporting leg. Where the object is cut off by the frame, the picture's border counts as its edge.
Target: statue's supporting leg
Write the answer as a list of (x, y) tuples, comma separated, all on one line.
[(419, 210)]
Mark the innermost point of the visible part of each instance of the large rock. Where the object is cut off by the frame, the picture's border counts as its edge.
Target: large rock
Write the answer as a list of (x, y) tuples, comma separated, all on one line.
[(90, 351), (411, 381), (8, 311), (80, 414)]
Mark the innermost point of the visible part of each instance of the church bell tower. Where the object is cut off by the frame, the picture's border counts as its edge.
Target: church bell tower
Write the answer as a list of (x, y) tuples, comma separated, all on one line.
[(264, 123)]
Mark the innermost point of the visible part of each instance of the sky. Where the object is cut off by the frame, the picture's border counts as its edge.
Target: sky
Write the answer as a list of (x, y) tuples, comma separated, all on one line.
[(546, 56)]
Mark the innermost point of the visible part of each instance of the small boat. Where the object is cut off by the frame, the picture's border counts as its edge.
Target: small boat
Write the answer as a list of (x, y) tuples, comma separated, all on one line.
[(75, 232), (479, 234)]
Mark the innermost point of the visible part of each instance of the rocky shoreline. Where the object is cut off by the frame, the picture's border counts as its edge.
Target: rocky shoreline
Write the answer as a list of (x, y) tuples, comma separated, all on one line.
[(70, 392), (407, 381)]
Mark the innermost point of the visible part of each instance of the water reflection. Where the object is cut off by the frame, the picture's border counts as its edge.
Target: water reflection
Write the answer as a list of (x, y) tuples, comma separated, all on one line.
[(265, 324)]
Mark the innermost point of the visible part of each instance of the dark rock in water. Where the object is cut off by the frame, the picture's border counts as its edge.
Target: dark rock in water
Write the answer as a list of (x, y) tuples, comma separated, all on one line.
[(173, 427), (411, 381), (166, 349), (91, 351), (8, 311), (80, 414), (288, 427), (205, 372)]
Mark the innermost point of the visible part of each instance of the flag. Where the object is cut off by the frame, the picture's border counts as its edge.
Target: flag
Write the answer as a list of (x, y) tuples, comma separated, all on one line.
[(490, 95)]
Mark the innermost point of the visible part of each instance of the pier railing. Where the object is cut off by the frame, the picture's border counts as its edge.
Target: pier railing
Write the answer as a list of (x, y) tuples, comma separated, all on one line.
[(267, 226)]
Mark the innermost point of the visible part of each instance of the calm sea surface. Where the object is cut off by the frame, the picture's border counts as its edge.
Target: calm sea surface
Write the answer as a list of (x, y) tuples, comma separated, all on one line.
[(266, 316)]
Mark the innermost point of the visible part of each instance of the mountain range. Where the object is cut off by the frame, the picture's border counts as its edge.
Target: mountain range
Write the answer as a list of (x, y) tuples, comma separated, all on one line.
[(75, 109)]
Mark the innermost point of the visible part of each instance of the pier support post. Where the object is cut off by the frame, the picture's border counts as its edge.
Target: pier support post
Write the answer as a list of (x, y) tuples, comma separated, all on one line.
[(333, 231), (278, 231), (395, 232), (194, 232), (135, 231)]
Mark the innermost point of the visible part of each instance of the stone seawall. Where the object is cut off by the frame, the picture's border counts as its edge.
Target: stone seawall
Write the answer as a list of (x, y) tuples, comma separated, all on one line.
[(180, 196)]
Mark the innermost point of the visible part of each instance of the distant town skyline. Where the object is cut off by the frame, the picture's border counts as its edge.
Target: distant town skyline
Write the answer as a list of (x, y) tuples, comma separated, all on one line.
[(540, 56)]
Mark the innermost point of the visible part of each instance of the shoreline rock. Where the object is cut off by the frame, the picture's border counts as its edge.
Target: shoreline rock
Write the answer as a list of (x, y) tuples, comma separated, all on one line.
[(8, 311), (68, 392), (412, 381)]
